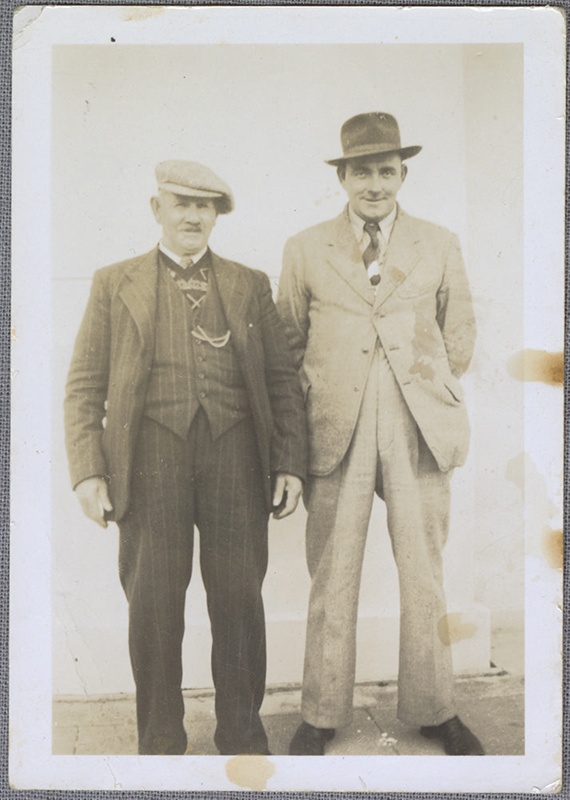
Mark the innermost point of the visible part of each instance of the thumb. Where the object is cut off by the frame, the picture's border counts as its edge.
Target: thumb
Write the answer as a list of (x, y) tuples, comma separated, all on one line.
[(104, 498)]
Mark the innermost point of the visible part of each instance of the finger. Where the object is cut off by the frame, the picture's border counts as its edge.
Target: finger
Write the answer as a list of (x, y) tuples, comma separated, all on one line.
[(285, 511), (278, 490), (290, 504), (280, 514), (93, 510)]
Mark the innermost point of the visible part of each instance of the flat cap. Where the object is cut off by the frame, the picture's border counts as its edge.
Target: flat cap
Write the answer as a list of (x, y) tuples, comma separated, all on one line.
[(194, 180)]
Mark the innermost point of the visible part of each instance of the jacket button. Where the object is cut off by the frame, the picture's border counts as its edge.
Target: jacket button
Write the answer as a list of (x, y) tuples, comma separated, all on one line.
[(201, 376), (202, 394), (365, 349), (356, 389)]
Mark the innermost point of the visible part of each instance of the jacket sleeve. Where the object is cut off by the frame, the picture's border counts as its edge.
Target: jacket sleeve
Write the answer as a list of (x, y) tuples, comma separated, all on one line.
[(293, 301), (86, 389), (289, 441), (455, 311)]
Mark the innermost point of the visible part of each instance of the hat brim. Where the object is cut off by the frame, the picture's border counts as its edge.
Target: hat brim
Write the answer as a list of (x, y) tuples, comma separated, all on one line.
[(403, 152), (224, 203), (188, 191)]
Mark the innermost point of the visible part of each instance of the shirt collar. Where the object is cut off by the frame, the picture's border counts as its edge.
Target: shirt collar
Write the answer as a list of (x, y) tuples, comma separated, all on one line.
[(385, 224), (176, 258)]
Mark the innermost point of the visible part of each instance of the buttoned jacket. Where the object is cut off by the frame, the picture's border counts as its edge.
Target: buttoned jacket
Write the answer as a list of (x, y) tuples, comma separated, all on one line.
[(113, 357), (421, 314)]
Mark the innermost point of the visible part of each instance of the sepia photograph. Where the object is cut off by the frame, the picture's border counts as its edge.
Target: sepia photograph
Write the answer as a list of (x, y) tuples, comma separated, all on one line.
[(291, 395)]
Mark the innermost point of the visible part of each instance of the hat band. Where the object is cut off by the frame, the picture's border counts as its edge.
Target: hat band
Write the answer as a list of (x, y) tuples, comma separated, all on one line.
[(366, 149)]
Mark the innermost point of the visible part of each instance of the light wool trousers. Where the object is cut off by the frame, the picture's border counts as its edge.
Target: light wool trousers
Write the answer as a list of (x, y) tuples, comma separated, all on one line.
[(387, 455)]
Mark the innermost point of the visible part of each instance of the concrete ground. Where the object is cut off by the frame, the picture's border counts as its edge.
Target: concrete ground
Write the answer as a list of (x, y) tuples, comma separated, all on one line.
[(491, 704)]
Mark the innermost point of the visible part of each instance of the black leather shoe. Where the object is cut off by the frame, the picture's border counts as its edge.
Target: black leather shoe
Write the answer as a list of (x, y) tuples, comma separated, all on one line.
[(310, 741), (456, 737)]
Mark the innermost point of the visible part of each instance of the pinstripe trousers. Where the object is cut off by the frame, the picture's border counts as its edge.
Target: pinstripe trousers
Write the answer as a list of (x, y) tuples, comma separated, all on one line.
[(216, 486), (387, 455)]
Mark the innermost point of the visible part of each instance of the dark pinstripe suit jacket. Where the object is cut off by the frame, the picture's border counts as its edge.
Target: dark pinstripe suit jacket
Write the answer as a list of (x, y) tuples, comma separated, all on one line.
[(113, 357)]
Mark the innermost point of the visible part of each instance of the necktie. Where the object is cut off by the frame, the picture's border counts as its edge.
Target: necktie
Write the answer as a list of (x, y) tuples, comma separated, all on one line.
[(186, 261), (371, 255)]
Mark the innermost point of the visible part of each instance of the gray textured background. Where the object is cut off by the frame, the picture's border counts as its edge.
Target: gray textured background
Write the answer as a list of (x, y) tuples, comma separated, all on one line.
[(7, 8)]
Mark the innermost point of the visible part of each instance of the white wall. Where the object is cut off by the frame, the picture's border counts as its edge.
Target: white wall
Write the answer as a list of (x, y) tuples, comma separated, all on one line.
[(495, 247), (265, 118)]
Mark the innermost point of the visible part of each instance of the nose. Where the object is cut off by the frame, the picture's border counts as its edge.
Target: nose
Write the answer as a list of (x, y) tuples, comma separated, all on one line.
[(191, 214), (375, 183)]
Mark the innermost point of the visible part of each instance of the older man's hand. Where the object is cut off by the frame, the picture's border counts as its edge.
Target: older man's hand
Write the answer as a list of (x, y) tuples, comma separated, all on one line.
[(93, 494), (286, 494)]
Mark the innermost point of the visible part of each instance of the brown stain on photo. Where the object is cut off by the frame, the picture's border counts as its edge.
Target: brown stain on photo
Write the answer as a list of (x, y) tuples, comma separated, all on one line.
[(136, 13), (397, 275), (252, 772), (451, 629), (537, 366), (553, 547)]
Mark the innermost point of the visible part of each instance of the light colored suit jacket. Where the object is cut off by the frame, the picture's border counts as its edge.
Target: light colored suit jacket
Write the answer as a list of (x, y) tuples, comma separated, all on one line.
[(422, 315), (113, 358)]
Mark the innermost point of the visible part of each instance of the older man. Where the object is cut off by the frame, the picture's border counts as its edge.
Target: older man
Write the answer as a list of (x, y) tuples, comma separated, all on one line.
[(183, 409), (378, 313)]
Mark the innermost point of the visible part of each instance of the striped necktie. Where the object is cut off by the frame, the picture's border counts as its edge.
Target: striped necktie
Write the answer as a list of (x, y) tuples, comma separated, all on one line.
[(372, 254)]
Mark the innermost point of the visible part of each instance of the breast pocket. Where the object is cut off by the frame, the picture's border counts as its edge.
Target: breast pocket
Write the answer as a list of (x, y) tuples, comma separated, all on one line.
[(424, 279), (414, 288)]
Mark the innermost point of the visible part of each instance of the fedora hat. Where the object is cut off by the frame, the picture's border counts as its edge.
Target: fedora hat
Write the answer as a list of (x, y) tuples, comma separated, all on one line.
[(371, 134)]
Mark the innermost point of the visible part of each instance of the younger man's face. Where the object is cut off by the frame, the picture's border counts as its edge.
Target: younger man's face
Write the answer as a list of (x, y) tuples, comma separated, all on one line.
[(372, 184)]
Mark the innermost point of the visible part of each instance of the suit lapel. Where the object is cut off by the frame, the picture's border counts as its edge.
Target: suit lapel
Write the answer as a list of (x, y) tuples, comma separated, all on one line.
[(139, 292), (345, 257), (402, 255)]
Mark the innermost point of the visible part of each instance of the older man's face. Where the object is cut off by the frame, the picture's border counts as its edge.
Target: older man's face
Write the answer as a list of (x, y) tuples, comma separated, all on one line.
[(372, 185), (187, 222)]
